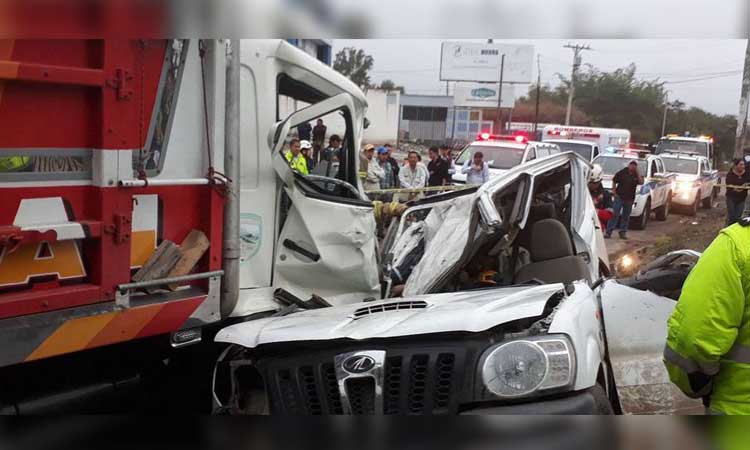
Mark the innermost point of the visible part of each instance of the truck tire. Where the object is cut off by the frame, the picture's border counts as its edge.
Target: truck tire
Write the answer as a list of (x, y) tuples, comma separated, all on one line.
[(693, 209), (708, 202), (640, 222), (662, 212)]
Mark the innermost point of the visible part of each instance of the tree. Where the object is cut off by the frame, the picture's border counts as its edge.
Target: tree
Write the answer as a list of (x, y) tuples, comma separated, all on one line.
[(389, 85), (355, 64)]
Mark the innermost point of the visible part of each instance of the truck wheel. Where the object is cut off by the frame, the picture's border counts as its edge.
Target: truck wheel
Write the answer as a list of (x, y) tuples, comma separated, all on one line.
[(694, 207), (708, 202), (640, 222), (663, 211)]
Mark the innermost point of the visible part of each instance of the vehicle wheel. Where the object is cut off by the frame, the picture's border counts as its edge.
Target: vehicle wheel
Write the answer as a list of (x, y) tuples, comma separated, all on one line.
[(640, 222), (694, 208), (663, 211), (708, 202), (603, 402)]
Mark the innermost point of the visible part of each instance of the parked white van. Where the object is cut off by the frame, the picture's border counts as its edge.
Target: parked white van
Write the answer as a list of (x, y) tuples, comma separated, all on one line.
[(587, 142)]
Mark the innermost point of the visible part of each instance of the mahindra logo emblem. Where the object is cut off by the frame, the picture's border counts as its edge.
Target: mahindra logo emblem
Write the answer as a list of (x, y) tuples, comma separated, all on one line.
[(358, 364)]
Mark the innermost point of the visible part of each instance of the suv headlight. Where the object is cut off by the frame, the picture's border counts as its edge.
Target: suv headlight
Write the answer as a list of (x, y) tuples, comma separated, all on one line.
[(529, 366)]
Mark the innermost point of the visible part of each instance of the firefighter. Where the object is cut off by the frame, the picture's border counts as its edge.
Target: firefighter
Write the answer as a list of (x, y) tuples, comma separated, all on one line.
[(296, 159), (708, 343), (13, 163)]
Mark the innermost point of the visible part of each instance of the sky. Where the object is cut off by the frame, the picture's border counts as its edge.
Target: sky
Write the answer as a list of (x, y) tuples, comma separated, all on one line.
[(706, 73)]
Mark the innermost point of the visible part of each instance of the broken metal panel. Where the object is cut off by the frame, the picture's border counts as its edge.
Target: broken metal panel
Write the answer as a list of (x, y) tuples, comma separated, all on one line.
[(636, 329)]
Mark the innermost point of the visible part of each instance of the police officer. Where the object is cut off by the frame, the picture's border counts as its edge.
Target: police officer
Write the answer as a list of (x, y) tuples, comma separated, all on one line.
[(708, 343), (295, 158)]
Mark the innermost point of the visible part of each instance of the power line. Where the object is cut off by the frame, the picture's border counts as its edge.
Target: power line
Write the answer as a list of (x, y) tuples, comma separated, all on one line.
[(703, 78)]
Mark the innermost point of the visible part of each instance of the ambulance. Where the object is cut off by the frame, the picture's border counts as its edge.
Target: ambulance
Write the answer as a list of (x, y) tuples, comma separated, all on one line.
[(588, 142)]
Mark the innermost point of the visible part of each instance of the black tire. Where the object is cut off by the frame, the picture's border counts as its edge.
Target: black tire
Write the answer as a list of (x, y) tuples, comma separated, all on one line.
[(693, 209), (708, 202), (603, 402), (663, 211), (640, 222)]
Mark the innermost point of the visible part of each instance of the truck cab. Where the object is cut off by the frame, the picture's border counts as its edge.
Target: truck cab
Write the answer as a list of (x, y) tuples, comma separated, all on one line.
[(654, 195), (698, 146)]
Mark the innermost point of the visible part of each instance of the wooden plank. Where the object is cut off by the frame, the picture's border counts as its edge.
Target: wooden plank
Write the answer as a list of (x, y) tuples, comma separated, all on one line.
[(193, 247), (161, 262)]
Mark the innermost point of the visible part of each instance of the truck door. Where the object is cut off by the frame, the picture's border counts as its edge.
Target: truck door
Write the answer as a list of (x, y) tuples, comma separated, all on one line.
[(326, 243)]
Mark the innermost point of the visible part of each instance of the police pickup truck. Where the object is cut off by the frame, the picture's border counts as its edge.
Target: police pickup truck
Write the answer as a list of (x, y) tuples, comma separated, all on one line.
[(695, 182), (655, 192), (501, 153)]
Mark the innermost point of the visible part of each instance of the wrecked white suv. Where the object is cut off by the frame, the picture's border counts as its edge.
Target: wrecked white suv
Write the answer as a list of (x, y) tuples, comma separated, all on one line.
[(503, 309)]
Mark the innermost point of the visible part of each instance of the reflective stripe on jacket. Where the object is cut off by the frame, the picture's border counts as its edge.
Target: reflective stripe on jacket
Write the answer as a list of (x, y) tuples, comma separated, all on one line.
[(708, 342), (297, 163)]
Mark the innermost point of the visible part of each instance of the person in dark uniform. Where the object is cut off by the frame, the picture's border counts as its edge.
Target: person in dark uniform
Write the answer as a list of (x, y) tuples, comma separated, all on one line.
[(737, 176), (438, 169), (304, 130), (624, 185)]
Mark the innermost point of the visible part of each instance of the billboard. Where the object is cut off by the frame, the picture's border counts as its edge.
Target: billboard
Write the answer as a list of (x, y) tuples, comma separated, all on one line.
[(469, 61), (482, 95)]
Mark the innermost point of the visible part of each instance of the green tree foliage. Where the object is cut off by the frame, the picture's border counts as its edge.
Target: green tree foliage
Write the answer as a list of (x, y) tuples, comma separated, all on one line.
[(389, 85), (355, 64), (619, 99)]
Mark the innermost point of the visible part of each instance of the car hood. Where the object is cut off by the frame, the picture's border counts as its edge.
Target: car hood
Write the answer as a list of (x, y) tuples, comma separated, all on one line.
[(461, 177), (472, 311), (685, 177)]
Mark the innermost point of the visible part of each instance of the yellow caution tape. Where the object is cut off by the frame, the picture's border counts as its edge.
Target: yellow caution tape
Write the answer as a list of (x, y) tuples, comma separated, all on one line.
[(420, 190)]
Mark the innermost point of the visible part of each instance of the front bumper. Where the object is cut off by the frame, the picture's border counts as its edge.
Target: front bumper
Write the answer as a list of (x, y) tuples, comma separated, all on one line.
[(590, 401), (684, 198)]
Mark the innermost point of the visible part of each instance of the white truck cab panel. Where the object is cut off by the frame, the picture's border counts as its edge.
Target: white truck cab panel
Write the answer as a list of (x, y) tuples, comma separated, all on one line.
[(283, 242)]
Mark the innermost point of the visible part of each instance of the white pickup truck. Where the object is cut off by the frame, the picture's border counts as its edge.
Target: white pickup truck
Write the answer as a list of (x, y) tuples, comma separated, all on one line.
[(695, 183), (653, 195), (504, 309), (502, 153)]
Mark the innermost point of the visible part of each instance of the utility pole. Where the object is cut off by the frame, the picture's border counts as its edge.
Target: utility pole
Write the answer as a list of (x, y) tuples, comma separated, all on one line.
[(500, 96), (739, 141), (538, 91), (577, 49), (664, 120)]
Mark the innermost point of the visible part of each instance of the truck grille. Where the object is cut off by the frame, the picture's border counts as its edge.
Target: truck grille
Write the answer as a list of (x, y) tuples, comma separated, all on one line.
[(414, 382)]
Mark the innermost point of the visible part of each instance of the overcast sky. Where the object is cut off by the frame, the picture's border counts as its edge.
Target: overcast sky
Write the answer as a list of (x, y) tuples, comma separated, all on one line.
[(706, 73)]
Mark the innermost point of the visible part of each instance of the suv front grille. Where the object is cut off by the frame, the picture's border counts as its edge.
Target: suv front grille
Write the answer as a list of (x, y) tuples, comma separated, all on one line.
[(415, 381)]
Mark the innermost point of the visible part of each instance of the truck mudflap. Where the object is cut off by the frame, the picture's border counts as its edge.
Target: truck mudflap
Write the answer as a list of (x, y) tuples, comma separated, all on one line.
[(636, 330)]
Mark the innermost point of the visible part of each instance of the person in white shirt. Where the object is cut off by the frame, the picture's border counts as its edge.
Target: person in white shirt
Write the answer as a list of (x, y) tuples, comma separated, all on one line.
[(477, 171), (412, 176)]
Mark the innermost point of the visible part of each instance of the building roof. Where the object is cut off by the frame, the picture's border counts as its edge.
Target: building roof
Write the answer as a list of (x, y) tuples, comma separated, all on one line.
[(429, 101)]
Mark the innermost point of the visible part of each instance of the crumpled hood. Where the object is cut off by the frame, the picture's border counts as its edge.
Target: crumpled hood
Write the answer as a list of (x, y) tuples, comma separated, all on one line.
[(473, 311)]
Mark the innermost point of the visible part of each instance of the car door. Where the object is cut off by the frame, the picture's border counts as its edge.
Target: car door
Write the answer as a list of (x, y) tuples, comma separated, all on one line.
[(326, 241), (635, 324)]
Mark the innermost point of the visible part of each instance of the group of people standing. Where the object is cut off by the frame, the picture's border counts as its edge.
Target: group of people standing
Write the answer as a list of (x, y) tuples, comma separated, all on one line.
[(384, 171)]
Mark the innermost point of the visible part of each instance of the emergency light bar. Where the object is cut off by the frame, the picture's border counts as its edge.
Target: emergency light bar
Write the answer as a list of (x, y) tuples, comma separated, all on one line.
[(502, 137), (564, 133)]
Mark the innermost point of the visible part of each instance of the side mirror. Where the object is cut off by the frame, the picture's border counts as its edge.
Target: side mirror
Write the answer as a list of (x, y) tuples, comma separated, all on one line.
[(366, 123)]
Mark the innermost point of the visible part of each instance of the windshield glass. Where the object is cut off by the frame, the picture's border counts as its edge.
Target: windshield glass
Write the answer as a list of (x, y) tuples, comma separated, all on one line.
[(613, 164), (496, 157), (583, 150), (677, 165), (669, 146)]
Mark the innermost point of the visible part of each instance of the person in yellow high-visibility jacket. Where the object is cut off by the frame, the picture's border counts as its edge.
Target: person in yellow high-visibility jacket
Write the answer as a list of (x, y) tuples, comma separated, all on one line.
[(708, 343), (13, 163), (295, 158)]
